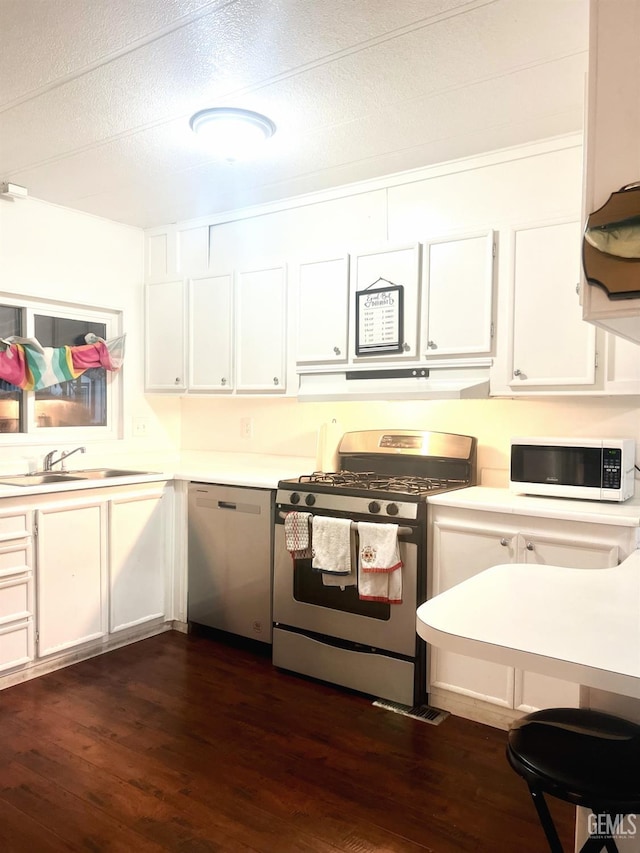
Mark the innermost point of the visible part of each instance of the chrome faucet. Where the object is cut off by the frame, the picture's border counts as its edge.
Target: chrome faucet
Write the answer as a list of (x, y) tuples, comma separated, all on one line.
[(49, 461)]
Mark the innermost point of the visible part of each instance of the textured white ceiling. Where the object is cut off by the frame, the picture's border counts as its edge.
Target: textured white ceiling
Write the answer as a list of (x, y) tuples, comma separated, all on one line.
[(96, 95)]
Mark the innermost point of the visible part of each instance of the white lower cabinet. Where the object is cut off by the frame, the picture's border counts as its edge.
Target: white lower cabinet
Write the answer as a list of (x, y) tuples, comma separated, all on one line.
[(99, 568), (137, 564), (463, 543), (71, 575)]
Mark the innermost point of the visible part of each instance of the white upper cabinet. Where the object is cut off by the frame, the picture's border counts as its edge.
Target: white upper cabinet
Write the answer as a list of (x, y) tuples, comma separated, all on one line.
[(458, 295), (165, 339), (211, 333), (551, 345), (381, 268), (261, 321), (323, 310)]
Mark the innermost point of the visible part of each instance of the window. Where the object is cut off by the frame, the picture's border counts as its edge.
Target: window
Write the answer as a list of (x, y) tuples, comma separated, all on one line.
[(80, 408)]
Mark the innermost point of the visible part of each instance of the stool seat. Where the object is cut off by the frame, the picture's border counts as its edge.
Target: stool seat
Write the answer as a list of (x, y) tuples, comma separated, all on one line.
[(581, 756)]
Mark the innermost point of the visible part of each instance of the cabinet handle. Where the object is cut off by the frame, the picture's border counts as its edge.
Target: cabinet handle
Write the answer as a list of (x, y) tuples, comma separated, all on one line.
[(517, 372), (177, 380), (336, 350), (432, 345), (529, 546), (276, 381), (406, 347), (223, 381), (504, 542)]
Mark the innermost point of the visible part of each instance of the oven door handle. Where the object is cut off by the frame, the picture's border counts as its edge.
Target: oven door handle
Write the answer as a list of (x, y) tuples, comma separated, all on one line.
[(402, 531)]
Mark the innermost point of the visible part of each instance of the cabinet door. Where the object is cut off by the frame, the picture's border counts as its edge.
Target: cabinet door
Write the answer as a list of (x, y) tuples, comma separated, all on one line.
[(458, 282), (622, 365), (261, 325), (137, 560), (165, 314), (552, 346), (211, 333), (396, 266), (582, 551), (71, 576), (323, 307), (459, 553)]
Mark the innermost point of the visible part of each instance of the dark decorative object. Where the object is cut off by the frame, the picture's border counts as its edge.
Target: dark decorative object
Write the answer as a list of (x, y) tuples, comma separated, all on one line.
[(611, 245)]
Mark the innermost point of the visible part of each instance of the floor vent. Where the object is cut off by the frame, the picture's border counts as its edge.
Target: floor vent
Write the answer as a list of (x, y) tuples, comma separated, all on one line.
[(424, 713)]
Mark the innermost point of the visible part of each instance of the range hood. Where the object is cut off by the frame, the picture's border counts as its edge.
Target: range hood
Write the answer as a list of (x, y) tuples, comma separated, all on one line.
[(468, 381)]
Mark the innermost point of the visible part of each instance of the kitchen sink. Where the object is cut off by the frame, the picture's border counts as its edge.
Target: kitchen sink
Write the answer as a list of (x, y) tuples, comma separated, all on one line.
[(63, 477), (104, 473), (36, 479)]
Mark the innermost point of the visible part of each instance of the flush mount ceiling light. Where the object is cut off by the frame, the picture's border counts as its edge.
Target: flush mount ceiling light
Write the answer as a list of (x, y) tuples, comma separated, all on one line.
[(230, 132)]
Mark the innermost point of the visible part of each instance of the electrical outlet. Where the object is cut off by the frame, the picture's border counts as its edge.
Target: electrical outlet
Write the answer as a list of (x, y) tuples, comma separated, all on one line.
[(246, 427), (140, 426)]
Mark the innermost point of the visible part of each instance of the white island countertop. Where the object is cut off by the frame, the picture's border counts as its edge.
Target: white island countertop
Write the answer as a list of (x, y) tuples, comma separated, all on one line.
[(581, 625)]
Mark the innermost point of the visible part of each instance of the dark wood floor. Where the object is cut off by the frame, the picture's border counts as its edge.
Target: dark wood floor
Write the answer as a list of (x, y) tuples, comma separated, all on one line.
[(182, 743)]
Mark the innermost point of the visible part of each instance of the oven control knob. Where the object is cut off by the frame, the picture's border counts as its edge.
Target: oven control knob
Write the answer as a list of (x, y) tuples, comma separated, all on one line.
[(310, 500), (294, 498), (392, 509), (374, 506)]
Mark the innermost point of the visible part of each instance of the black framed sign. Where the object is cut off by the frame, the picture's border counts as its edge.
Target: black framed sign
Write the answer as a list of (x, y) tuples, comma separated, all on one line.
[(379, 320)]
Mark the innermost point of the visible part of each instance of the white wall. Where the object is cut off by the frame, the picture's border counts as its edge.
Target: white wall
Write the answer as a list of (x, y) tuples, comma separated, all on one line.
[(56, 253), (289, 428)]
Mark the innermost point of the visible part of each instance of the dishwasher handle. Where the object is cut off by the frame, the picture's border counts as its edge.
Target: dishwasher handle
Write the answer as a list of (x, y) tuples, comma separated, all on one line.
[(227, 505)]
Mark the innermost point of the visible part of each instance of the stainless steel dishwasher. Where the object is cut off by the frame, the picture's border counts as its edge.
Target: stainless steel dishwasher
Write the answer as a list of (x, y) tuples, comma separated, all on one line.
[(230, 559)]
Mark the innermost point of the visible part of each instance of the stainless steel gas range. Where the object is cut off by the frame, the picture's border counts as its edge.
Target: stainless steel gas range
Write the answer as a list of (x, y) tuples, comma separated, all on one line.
[(330, 630)]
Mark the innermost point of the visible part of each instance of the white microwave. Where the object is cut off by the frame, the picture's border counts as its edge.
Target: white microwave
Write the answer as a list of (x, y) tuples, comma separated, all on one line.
[(597, 469)]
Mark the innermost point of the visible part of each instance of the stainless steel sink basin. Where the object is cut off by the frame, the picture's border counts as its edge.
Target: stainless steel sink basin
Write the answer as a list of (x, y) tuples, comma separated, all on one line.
[(104, 473), (63, 477), (36, 479)]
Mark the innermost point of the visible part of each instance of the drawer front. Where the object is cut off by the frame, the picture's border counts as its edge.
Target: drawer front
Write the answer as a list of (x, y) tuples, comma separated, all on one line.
[(16, 645), (16, 599), (15, 558), (15, 526)]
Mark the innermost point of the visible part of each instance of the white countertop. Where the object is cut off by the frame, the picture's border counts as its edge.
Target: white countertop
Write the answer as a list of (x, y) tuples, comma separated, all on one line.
[(581, 625), (236, 469), (626, 513)]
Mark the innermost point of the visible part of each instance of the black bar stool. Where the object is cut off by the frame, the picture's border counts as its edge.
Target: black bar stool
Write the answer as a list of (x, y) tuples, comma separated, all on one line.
[(583, 757)]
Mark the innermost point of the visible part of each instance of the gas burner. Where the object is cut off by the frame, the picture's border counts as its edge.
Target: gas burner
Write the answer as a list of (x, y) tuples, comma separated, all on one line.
[(370, 480)]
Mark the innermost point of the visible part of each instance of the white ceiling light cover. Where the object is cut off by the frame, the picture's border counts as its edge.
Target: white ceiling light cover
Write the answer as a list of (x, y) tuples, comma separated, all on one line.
[(232, 133)]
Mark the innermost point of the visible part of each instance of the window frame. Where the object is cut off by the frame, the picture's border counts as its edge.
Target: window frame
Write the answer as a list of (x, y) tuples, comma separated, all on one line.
[(34, 434)]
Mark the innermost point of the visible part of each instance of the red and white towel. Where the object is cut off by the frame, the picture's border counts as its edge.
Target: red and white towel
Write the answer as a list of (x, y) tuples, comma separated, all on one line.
[(297, 536), (379, 563)]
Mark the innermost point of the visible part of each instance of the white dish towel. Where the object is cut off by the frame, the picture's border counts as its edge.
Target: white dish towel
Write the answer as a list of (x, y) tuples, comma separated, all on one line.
[(332, 547), (379, 564)]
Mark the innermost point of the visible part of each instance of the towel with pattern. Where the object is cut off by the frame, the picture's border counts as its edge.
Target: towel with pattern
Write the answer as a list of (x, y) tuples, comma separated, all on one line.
[(379, 564), (296, 535)]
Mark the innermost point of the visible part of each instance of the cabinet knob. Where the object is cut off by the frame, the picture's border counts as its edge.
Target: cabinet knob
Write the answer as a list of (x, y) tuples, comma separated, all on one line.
[(223, 381), (517, 372), (406, 347), (529, 546), (432, 345), (276, 381), (504, 542), (177, 380), (336, 350)]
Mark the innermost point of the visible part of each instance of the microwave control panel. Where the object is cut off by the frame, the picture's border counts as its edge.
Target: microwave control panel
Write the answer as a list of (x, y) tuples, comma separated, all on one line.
[(611, 468)]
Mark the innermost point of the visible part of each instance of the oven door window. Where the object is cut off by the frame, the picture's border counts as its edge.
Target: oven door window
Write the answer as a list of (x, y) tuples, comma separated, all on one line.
[(308, 588)]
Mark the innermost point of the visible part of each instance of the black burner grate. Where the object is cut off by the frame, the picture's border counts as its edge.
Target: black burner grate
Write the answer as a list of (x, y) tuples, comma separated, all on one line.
[(369, 480)]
